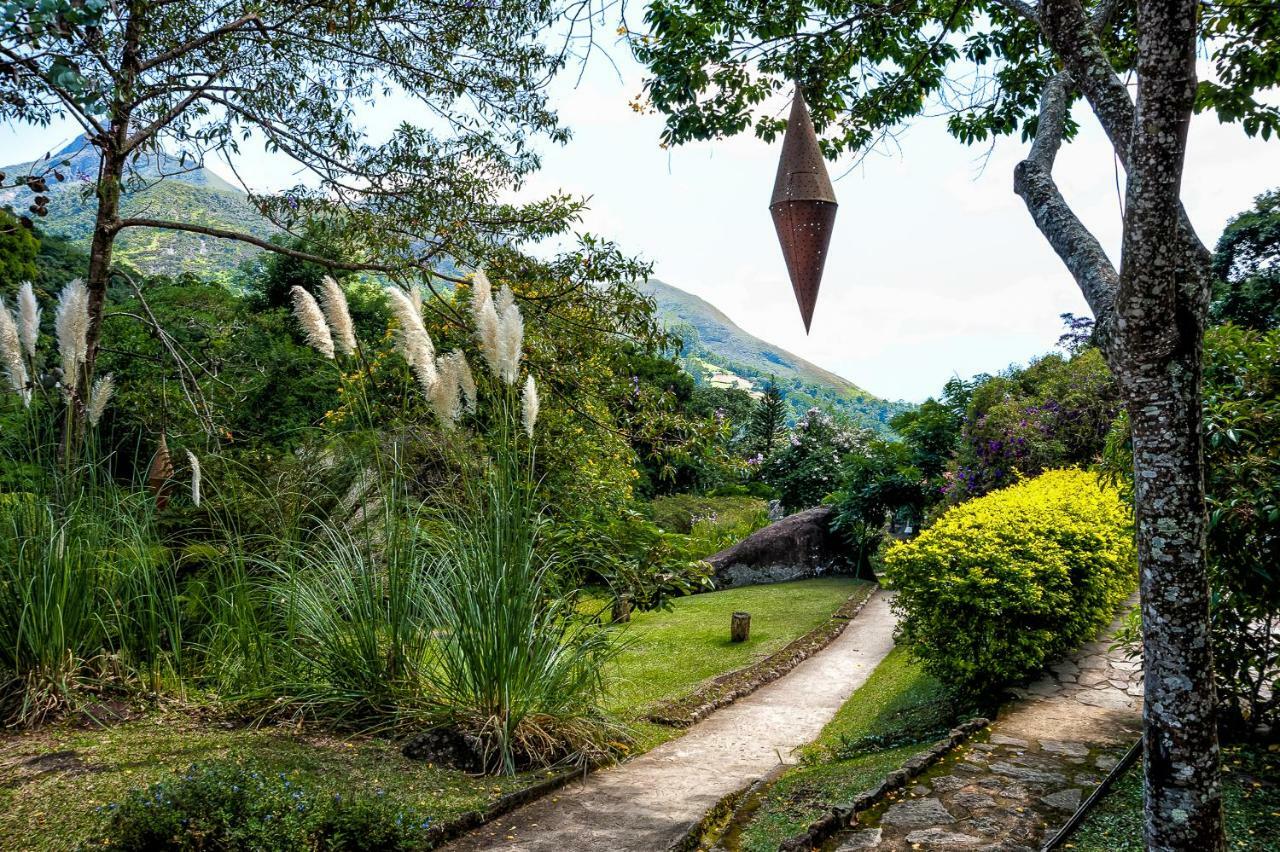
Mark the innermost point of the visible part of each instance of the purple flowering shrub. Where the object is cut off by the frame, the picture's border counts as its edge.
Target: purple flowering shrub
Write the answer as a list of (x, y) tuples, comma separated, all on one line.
[(1055, 412)]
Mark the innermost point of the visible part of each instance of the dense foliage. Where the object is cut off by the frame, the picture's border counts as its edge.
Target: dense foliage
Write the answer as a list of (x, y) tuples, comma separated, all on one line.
[(1247, 264), (1000, 586)]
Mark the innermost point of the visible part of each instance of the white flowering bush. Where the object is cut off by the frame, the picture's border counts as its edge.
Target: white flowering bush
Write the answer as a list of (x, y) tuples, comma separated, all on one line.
[(806, 468)]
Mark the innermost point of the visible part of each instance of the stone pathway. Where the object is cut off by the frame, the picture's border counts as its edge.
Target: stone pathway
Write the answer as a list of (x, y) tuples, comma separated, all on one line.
[(1011, 787), (649, 803)]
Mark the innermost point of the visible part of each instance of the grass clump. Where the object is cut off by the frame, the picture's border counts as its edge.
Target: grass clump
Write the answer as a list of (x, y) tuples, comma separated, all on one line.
[(856, 749)]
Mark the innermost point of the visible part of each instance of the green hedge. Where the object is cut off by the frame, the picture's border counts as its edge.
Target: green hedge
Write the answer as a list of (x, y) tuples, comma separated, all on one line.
[(1004, 584)]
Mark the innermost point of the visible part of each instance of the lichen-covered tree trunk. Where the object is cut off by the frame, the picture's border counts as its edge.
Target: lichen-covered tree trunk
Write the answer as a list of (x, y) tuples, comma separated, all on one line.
[(1180, 736)]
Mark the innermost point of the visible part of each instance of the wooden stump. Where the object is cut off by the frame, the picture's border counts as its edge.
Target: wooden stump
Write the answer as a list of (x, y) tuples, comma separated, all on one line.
[(740, 627), (621, 609)]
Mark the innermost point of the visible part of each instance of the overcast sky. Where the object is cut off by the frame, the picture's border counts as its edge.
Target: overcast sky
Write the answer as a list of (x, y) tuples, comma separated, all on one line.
[(935, 269)]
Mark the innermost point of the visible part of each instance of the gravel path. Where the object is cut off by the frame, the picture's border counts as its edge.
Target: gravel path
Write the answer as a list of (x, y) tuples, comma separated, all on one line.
[(649, 803), (1012, 787)]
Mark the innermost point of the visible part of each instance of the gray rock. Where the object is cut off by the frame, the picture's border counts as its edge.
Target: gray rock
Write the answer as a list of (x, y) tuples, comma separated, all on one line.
[(1001, 739), (1064, 800), (947, 783), (800, 545), (938, 838), (1065, 748), (914, 813), (1025, 773), (972, 800), (1108, 699), (866, 839), (1106, 762)]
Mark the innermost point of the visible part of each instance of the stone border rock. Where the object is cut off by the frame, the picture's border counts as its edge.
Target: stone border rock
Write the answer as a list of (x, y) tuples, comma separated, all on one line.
[(728, 688), (841, 817)]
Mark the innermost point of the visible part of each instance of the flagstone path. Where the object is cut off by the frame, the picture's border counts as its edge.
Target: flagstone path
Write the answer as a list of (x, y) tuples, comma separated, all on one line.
[(649, 803), (1012, 787)]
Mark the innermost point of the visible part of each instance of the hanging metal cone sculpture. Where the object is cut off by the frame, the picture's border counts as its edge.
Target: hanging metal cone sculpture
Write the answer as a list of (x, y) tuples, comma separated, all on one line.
[(803, 207)]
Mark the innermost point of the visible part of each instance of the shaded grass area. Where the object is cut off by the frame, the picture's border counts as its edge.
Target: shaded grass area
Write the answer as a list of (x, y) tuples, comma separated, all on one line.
[(53, 781), (1251, 801), (857, 748)]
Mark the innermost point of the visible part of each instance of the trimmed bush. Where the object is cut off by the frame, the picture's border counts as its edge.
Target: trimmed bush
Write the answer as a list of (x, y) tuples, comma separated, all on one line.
[(226, 806), (1004, 584)]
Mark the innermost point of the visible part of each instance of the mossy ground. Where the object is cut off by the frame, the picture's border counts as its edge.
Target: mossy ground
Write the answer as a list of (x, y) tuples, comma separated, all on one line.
[(51, 802), (846, 759), (1251, 801)]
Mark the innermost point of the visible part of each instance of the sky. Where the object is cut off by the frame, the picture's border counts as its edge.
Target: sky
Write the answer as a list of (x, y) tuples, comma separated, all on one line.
[(935, 268)]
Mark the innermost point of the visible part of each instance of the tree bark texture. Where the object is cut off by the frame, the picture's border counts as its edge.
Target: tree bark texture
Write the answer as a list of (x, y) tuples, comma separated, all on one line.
[(1150, 316)]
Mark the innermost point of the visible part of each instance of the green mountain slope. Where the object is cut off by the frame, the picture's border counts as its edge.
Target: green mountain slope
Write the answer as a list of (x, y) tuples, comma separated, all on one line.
[(716, 351), (164, 189)]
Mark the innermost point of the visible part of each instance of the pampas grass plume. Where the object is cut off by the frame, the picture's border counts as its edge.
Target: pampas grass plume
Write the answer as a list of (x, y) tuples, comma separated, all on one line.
[(529, 400), (334, 302), (28, 318), (511, 336), (71, 324), (195, 477), (99, 396), (444, 394), (11, 352), (415, 344), (311, 318)]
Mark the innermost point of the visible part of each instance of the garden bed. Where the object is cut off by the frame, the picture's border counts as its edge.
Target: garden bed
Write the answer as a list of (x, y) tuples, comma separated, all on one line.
[(54, 782)]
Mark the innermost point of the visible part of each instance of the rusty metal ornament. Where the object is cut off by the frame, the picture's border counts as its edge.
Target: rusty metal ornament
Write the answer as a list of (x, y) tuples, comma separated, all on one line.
[(803, 207)]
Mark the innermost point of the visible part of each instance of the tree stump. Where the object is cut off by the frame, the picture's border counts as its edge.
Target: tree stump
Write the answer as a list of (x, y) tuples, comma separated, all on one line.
[(740, 627), (622, 609)]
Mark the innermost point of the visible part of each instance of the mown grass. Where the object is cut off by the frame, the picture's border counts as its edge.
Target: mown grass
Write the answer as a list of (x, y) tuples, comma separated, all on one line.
[(856, 749), (52, 803), (1250, 796)]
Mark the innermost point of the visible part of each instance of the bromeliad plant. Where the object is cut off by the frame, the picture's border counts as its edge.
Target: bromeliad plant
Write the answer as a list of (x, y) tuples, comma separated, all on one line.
[(457, 628)]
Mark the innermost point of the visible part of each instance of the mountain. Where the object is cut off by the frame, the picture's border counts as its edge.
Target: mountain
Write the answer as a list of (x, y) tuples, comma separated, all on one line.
[(163, 187), (717, 352)]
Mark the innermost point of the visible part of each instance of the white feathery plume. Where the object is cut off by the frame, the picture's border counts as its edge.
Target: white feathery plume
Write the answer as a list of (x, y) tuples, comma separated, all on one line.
[(511, 337), (415, 344), (481, 289), (71, 323), (415, 298), (444, 393), (334, 302), (489, 332), (99, 396), (467, 384), (11, 353), (314, 327), (28, 318), (529, 400), (195, 477)]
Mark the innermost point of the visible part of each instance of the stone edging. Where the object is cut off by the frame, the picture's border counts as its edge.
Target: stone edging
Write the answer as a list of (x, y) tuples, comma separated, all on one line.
[(728, 688), (454, 828), (840, 817)]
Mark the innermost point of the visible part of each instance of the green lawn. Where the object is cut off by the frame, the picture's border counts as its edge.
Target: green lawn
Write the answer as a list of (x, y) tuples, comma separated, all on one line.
[(856, 749), (1251, 800), (669, 653), (51, 805)]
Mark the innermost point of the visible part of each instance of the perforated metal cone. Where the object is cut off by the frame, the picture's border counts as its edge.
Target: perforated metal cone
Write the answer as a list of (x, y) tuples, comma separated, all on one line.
[(803, 207)]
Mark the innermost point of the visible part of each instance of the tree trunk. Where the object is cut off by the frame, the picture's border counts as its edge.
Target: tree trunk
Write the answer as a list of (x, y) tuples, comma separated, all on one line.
[(1183, 808), (104, 235)]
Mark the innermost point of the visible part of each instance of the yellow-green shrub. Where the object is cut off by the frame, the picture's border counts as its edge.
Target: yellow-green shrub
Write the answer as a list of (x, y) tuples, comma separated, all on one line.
[(1002, 585)]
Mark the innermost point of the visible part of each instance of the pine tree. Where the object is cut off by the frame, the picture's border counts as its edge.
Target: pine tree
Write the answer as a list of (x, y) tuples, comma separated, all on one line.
[(768, 422)]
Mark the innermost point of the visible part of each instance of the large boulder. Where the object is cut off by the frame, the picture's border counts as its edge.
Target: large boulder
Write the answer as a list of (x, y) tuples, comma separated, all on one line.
[(798, 546)]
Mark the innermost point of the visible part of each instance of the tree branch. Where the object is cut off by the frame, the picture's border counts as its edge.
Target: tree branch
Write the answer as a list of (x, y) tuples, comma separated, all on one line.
[(1033, 181)]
